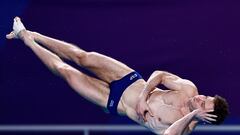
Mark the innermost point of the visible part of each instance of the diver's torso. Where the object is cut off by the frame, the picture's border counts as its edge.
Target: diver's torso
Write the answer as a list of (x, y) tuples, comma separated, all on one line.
[(167, 106)]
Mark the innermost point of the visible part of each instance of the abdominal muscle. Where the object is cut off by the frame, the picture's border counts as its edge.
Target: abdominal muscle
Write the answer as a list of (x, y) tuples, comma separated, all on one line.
[(128, 104)]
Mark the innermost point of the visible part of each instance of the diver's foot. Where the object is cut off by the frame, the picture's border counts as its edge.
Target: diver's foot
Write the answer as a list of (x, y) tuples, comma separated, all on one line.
[(17, 28)]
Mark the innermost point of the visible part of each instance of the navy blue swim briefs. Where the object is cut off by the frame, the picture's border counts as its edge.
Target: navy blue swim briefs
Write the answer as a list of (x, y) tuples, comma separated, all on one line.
[(117, 88)]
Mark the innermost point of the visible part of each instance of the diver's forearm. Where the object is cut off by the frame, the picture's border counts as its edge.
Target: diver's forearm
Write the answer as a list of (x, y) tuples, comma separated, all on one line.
[(154, 80), (181, 126)]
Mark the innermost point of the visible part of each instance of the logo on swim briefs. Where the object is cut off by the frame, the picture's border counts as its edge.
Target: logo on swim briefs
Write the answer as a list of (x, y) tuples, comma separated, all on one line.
[(111, 103), (133, 76)]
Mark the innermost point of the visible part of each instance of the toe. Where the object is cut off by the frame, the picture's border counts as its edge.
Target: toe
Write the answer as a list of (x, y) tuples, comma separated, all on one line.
[(17, 19), (10, 35)]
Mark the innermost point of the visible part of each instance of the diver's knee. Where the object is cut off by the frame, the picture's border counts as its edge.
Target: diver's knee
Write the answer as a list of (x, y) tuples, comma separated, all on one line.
[(81, 56), (63, 70), (88, 59)]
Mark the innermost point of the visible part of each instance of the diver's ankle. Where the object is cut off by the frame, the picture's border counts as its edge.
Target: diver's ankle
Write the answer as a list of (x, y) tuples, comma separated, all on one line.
[(25, 36)]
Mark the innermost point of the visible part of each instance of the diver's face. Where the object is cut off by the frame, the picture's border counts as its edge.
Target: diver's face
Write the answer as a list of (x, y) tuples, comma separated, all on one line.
[(203, 102)]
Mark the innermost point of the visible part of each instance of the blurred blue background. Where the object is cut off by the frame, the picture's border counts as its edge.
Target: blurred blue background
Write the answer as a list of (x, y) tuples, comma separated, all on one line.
[(195, 39)]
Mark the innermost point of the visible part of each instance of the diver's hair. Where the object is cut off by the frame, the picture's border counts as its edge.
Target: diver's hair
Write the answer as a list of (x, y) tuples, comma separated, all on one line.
[(220, 109)]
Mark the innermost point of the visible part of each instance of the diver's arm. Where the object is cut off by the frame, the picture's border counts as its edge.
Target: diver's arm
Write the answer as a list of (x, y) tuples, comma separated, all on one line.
[(181, 126), (154, 80), (186, 124), (142, 107), (174, 82), (171, 81)]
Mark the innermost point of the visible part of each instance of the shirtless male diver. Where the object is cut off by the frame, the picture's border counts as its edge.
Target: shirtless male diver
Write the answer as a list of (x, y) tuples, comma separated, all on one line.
[(123, 91)]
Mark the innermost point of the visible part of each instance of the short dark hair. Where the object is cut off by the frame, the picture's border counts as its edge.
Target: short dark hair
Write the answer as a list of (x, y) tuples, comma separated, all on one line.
[(220, 109)]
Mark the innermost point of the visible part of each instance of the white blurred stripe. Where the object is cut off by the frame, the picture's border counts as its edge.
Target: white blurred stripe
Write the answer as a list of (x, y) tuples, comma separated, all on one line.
[(221, 128), (87, 128)]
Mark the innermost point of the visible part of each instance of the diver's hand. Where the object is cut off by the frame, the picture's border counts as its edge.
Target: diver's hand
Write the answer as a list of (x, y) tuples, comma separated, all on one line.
[(142, 109), (203, 115)]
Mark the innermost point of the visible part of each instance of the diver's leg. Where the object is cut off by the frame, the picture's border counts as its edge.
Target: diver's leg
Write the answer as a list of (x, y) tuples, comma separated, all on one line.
[(106, 68), (62, 49), (90, 88)]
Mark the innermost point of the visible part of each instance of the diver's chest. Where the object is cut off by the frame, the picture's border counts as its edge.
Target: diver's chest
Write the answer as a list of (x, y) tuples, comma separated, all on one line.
[(167, 114), (167, 111)]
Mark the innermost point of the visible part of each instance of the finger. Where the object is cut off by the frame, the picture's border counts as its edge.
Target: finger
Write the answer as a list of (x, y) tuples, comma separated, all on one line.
[(211, 115), (210, 119), (206, 121), (208, 111)]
